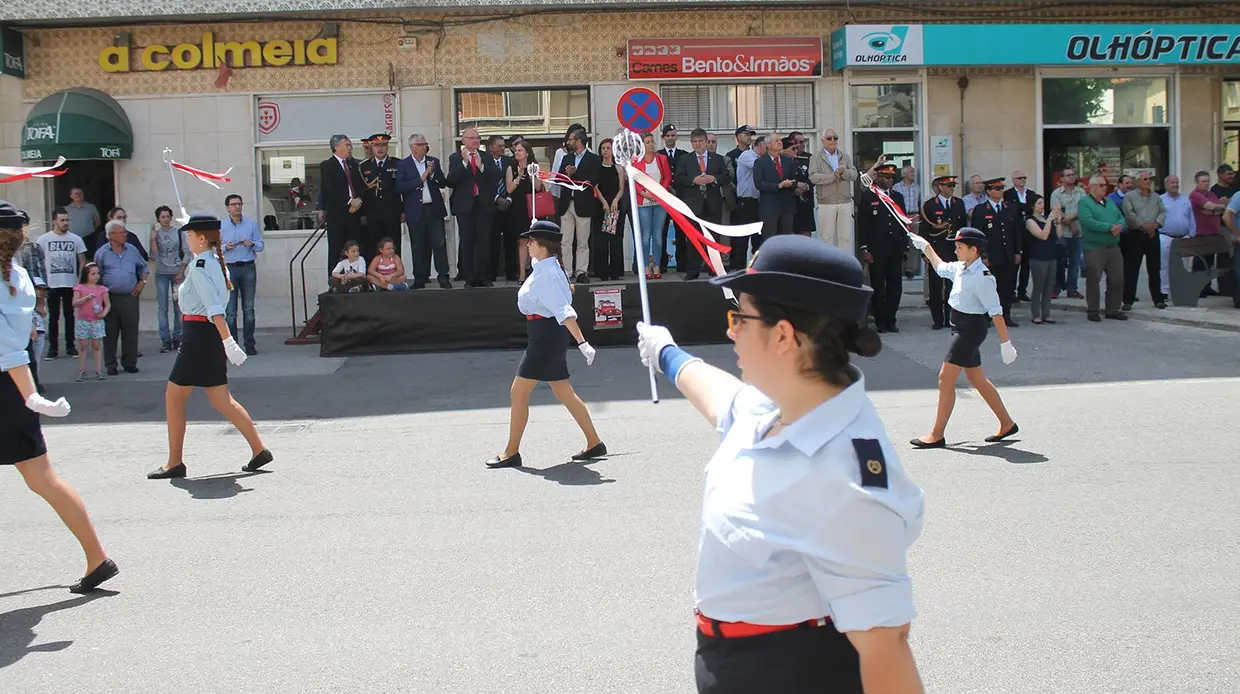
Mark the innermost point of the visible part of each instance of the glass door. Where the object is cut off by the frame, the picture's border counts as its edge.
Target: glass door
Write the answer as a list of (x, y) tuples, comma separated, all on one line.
[(1106, 152), (886, 122)]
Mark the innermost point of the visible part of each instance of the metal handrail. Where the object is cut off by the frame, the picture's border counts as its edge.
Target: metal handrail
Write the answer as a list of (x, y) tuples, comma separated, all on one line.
[(303, 254)]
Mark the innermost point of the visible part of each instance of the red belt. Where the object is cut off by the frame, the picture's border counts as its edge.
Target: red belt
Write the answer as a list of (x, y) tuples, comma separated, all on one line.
[(735, 630), (196, 319), (535, 316)]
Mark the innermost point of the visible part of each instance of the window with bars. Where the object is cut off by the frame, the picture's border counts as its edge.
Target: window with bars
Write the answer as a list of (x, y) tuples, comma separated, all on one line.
[(726, 107)]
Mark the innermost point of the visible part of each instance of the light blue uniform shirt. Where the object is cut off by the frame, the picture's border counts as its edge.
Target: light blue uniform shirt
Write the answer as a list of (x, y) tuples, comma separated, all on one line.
[(205, 289), (545, 292), (245, 230), (789, 531), (16, 317), (973, 288)]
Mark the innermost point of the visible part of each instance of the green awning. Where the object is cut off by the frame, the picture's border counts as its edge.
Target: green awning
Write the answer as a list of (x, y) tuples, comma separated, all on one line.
[(78, 123)]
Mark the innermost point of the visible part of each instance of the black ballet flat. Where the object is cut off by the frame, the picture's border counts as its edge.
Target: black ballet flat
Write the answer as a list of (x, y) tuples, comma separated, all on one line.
[(258, 461), (171, 473), (90, 582), (918, 443), (594, 453), (513, 460), (1010, 432)]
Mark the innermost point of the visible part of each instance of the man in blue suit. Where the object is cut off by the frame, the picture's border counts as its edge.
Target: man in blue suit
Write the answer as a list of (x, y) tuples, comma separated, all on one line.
[(774, 175), (420, 179)]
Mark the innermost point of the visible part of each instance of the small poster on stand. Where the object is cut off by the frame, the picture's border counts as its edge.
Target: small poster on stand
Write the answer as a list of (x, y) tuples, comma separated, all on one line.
[(608, 311)]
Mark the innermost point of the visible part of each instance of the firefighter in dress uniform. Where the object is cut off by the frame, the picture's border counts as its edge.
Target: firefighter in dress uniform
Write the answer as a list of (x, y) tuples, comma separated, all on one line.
[(882, 240), (943, 216), (382, 206), (1004, 226)]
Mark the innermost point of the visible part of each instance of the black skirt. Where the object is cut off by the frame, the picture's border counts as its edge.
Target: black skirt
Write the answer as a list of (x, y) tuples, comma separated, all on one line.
[(201, 361), (971, 329), (546, 355), (817, 660), (21, 436)]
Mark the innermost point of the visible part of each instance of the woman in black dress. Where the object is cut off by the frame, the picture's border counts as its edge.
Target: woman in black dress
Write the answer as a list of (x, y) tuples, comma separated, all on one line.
[(520, 186), (609, 237), (21, 435)]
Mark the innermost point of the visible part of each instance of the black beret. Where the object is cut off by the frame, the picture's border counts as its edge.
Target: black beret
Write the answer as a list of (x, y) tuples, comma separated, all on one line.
[(543, 229), (804, 273), (971, 236), (202, 222), (11, 217)]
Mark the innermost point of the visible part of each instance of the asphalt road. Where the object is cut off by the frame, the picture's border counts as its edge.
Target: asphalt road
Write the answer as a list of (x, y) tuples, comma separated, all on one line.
[(1096, 553)]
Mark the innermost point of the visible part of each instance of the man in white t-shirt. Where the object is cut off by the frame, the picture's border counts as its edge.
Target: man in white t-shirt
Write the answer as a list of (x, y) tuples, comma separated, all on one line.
[(66, 255)]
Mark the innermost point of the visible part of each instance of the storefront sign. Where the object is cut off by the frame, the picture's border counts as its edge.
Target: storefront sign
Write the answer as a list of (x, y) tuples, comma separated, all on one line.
[(316, 117), (13, 48), (1034, 44), (211, 54), (707, 59), (608, 310)]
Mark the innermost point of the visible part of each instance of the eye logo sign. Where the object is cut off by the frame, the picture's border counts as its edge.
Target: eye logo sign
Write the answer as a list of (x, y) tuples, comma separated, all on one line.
[(882, 47)]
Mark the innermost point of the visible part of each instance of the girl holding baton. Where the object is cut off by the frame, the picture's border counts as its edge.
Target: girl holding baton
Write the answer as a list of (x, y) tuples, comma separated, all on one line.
[(974, 301)]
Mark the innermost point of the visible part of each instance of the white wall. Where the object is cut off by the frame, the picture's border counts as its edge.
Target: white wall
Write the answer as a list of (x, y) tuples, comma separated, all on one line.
[(1200, 108), (25, 195), (1000, 124)]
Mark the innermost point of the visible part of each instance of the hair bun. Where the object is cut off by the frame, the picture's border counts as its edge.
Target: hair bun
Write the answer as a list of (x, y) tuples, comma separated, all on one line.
[(864, 343)]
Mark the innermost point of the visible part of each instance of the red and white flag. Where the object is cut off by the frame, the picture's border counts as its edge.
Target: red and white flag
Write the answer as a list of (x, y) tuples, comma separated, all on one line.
[(204, 176), (10, 174)]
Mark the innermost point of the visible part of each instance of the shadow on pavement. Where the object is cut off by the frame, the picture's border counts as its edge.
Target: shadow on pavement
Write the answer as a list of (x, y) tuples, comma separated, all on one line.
[(224, 486), (17, 626), (1004, 451)]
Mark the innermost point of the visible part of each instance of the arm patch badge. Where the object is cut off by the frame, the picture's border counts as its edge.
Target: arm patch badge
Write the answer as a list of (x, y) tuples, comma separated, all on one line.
[(873, 464)]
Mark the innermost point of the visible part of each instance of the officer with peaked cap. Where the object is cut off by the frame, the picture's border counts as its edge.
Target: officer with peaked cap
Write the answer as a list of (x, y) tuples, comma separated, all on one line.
[(382, 204), (1004, 227), (882, 240), (808, 515), (942, 216)]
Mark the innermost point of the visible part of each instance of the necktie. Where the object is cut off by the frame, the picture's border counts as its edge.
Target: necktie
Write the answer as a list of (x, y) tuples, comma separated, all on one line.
[(702, 162), (474, 165), (348, 179), (778, 169)]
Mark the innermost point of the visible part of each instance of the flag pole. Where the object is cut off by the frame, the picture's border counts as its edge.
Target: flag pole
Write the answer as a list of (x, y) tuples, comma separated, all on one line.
[(628, 147)]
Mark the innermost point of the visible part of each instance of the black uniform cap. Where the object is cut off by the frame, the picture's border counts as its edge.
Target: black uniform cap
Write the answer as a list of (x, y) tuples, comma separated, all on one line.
[(970, 236), (949, 180), (994, 182), (202, 222), (885, 169), (544, 230), (11, 217), (669, 128), (804, 273), (380, 139)]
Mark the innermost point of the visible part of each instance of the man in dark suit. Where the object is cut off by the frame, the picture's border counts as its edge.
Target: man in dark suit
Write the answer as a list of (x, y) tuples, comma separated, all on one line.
[(673, 154), (381, 204), (577, 212), (473, 178), (420, 180), (501, 242), (699, 176), (1002, 223), (342, 188), (1023, 198), (942, 216), (774, 175), (882, 240)]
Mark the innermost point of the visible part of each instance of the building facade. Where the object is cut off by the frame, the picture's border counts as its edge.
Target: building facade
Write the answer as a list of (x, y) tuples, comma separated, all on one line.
[(967, 89)]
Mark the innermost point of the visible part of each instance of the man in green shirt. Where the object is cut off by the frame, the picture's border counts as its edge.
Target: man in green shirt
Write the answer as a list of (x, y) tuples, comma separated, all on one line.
[(1101, 224)]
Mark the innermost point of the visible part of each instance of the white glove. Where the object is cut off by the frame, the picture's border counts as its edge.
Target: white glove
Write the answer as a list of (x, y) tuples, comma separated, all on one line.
[(587, 351), (43, 406), (919, 242), (236, 355), (1008, 352), (651, 339)]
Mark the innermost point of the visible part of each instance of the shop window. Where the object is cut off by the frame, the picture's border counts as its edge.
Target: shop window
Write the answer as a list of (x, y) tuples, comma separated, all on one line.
[(766, 107), (1231, 126), (522, 111), (1108, 152), (1104, 101), (884, 106), (290, 186)]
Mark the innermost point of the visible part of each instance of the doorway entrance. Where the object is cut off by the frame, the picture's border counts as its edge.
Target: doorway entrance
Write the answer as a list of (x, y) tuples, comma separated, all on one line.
[(1110, 152), (96, 178)]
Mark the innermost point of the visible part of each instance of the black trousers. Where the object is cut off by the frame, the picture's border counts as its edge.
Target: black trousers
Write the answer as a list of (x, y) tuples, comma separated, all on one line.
[(774, 226), (497, 246), (887, 281), (475, 244), (426, 236), (817, 660), (377, 229), (1136, 245), (342, 228), (940, 290), (58, 300), (1022, 278), (1005, 283), (122, 322), (608, 249), (746, 212)]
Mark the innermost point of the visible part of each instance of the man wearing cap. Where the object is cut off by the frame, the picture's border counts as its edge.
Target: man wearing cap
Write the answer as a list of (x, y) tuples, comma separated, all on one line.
[(942, 216), (775, 177), (882, 240), (1003, 226), (382, 206), (832, 173), (746, 211)]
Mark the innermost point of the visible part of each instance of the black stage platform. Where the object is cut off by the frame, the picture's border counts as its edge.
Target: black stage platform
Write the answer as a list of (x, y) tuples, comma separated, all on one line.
[(433, 320)]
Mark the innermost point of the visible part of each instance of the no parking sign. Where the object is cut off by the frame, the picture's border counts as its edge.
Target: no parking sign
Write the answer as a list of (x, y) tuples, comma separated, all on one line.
[(640, 110)]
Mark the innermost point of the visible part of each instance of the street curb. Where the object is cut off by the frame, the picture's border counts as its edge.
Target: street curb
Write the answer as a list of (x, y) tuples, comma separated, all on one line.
[(1208, 324)]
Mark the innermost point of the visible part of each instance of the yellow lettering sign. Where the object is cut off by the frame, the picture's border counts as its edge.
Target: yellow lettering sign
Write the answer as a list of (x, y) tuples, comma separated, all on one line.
[(210, 54)]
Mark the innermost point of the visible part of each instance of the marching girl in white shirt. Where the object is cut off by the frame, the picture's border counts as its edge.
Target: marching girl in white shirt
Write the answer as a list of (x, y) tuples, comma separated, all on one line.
[(21, 435), (547, 302)]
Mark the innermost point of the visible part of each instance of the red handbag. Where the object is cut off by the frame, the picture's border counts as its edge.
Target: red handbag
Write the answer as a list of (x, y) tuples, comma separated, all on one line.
[(541, 203)]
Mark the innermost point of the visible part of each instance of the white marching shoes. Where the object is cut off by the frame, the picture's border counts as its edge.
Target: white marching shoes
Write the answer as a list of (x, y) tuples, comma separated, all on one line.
[(46, 407), (1008, 352), (235, 353), (651, 339), (588, 352)]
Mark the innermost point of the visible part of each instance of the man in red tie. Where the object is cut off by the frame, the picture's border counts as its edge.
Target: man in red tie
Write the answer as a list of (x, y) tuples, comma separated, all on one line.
[(774, 175), (474, 180), (699, 176), (342, 191)]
